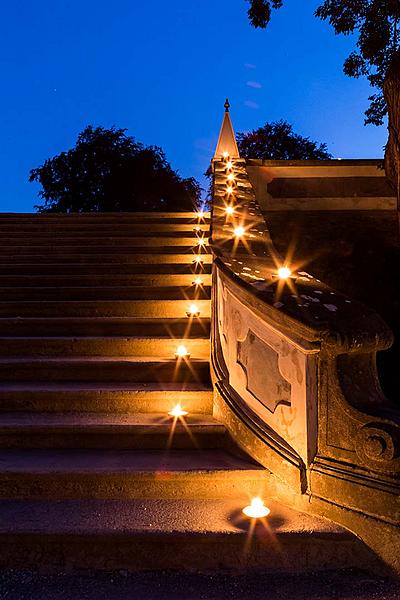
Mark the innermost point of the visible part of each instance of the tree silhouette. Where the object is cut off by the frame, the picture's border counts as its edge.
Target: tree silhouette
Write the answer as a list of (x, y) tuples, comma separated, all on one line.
[(277, 141), (108, 171), (376, 25)]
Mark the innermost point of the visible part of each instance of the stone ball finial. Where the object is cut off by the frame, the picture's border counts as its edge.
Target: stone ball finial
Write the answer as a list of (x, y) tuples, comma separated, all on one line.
[(227, 105)]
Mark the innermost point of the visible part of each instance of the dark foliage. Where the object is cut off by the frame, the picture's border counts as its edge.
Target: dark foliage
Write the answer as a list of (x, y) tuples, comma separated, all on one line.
[(260, 11), (375, 22), (108, 171), (277, 141)]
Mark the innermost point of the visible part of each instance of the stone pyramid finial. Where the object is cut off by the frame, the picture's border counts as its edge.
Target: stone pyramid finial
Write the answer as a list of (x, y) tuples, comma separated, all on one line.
[(227, 140)]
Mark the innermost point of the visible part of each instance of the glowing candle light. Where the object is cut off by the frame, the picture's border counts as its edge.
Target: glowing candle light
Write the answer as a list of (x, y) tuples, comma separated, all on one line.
[(229, 210), (193, 311), (198, 260), (177, 412), (182, 352), (229, 165), (257, 509), (229, 189), (201, 241), (200, 214), (239, 231), (198, 281), (284, 273), (231, 177)]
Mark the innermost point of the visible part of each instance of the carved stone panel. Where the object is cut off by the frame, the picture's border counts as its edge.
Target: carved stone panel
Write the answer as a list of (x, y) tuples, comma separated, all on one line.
[(261, 366)]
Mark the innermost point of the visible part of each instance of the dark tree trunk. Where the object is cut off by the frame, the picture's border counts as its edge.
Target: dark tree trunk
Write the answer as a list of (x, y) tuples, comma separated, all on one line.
[(392, 95)]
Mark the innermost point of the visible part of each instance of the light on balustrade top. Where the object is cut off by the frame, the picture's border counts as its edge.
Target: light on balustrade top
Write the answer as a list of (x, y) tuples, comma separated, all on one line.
[(198, 281), (229, 189), (200, 214), (201, 241), (198, 260), (239, 231), (231, 177), (229, 210), (229, 165), (284, 272)]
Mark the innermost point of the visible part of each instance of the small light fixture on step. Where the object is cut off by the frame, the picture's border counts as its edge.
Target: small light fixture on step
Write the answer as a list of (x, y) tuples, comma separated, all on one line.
[(231, 177), (182, 352), (200, 214), (198, 260), (225, 155), (256, 509), (229, 210), (229, 190), (201, 241), (193, 311), (178, 412), (198, 281), (229, 165)]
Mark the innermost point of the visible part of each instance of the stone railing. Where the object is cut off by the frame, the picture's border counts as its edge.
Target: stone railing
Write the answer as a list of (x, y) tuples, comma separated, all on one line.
[(295, 375)]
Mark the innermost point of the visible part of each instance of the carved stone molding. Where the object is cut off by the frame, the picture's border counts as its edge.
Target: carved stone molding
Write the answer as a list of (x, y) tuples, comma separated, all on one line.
[(260, 364)]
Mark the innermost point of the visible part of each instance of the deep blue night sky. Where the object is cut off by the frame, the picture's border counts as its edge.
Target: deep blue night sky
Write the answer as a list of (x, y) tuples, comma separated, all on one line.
[(162, 70)]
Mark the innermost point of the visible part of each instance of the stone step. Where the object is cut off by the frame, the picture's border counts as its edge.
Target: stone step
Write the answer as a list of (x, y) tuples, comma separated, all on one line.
[(89, 254), (56, 251), (174, 535), (103, 326), (104, 369), (103, 263), (196, 398), (102, 280), (147, 292), (172, 309), (160, 347), (59, 244), (107, 272), (64, 474), (129, 431), (77, 229), (95, 218)]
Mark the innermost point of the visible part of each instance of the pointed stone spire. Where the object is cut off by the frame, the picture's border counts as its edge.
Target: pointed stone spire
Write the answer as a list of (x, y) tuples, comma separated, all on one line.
[(227, 139)]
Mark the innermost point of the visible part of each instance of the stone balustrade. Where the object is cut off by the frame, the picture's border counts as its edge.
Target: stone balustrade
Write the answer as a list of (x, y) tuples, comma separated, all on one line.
[(294, 366)]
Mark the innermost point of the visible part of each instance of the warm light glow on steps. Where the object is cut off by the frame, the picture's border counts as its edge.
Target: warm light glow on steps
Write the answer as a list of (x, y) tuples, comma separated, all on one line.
[(178, 412), (182, 352), (257, 509), (193, 311)]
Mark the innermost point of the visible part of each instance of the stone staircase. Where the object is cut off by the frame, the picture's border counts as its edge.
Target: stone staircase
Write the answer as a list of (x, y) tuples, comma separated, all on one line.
[(93, 471)]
